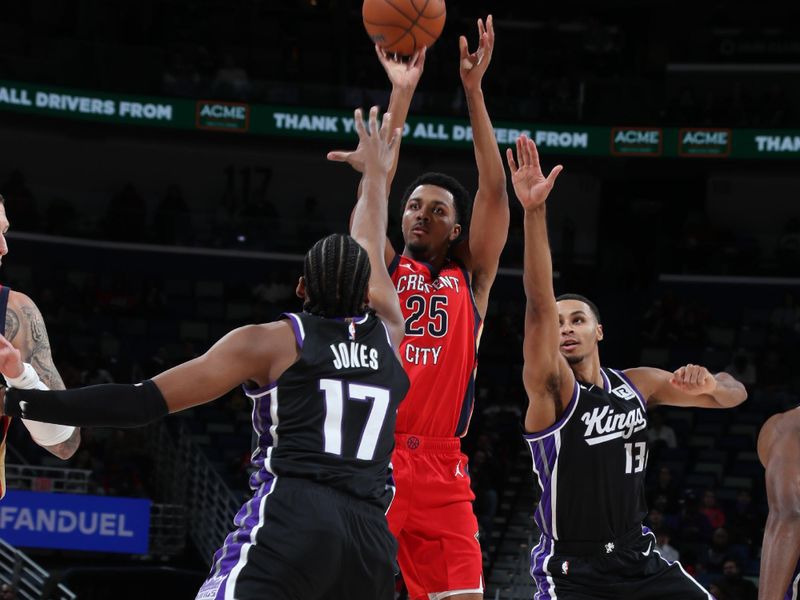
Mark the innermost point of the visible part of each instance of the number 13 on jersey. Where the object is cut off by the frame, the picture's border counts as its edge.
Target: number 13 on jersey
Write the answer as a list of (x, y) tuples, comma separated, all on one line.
[(635, 453)]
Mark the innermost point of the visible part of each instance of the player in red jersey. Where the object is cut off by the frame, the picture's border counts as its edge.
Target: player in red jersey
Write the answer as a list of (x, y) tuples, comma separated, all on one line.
[(23, 326), (443, 278)]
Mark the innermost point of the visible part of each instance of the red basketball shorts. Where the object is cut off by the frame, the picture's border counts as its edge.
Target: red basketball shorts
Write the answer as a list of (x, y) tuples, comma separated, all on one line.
[(431, 517)]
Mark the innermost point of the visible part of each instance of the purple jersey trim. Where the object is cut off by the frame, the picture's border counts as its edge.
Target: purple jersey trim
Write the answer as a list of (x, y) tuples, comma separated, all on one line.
[(573, 403), (297, 327), (606, 380)]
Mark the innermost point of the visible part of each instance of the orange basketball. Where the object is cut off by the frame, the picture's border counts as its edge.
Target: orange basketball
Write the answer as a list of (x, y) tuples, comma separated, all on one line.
[(403, 26)]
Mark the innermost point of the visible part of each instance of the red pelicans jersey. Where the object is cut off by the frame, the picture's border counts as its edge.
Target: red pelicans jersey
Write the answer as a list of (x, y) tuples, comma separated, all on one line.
[(440, 347)]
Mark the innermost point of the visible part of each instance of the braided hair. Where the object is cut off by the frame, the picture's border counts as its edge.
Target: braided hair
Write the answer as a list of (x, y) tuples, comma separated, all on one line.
[(336, 272)]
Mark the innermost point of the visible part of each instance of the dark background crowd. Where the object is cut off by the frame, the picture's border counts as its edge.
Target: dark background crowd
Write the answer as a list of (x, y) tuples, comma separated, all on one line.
[(689, 261)]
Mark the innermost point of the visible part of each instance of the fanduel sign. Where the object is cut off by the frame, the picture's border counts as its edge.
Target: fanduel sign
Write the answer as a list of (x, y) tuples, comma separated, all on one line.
[(75, 522)]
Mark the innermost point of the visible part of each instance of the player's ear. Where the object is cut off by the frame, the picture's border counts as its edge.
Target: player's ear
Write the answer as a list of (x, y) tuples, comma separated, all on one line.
[(599, 332), (300, 290), (455, 233)]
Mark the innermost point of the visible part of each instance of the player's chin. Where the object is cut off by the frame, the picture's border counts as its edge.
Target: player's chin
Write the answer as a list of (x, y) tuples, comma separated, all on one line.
[(417, 247)]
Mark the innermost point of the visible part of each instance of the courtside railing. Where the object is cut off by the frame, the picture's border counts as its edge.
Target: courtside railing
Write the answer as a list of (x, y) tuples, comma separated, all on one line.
[(186, 476), (47, 479), (27, 579)]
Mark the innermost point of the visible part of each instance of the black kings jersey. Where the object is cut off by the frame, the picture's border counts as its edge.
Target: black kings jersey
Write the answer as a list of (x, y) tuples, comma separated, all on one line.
[(330, 417), (590, 464)]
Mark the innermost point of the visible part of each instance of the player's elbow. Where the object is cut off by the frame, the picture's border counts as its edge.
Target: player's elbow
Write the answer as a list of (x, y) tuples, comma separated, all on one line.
[(62, 451), (784, 505)]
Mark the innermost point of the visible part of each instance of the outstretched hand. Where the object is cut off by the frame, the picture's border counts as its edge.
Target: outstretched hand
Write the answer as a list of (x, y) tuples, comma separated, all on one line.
[(473, 65), (530, 184), (376, 146), (10, 359), (404, 74), (694, 380)]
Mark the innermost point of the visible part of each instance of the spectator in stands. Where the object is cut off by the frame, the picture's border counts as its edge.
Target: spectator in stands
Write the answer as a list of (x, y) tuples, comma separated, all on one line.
[(742, 368), (231, 80), (16, 191), (8, 592), (717, 552), (714, 514), (666, 487), (693, 525), (787, 316), (126, 215), (95, 373), (659, 433), (663, 538), (180, 77), (485, 504), (717, 592), (311, 227), (733, 585), (744, 520), (275, 288), (171, 217)]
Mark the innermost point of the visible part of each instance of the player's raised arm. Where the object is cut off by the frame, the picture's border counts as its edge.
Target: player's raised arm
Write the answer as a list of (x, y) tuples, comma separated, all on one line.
[(490, 213), (376, 152), (690, 385), (404, 77), (548, 379)]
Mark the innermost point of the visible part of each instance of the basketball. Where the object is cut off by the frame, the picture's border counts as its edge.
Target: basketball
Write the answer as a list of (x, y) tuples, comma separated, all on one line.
[(403, 26)]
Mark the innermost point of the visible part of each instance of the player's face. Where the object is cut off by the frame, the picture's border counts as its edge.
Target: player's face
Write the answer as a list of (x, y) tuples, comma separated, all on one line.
[(429, 220), (580, 331), (4, 225)]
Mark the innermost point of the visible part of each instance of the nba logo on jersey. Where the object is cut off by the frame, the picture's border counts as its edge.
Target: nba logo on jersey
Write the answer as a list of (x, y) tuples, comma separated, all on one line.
[(565, 567), (624, 392)]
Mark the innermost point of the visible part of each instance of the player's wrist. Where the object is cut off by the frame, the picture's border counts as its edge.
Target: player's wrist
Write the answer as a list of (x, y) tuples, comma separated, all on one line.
[(27, 378)]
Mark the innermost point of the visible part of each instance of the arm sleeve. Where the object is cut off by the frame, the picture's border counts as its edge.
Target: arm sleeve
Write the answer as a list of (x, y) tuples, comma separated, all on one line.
[(107, 405), (47, 434)]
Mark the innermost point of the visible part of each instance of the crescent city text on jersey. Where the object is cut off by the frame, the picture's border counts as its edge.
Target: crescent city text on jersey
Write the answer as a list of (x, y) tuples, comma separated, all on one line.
[(417, 283), (354, 356)]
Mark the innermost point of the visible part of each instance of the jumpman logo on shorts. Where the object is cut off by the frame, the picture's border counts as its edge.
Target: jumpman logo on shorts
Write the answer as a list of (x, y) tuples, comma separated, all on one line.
[(458, 472)]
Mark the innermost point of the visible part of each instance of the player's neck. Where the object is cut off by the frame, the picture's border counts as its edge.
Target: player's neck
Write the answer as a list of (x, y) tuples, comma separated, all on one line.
[(588, 370), (436, 260)]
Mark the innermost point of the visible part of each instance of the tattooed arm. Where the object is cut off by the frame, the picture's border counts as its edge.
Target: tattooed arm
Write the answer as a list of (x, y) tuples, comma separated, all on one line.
[(26, 331)]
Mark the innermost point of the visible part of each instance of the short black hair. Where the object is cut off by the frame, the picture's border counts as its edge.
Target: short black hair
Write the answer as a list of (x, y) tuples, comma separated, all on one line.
[(336, 272), (589, 303), (462, 200)]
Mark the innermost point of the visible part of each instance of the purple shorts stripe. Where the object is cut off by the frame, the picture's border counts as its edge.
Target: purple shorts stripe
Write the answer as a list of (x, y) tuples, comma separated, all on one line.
[(539, 558)]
